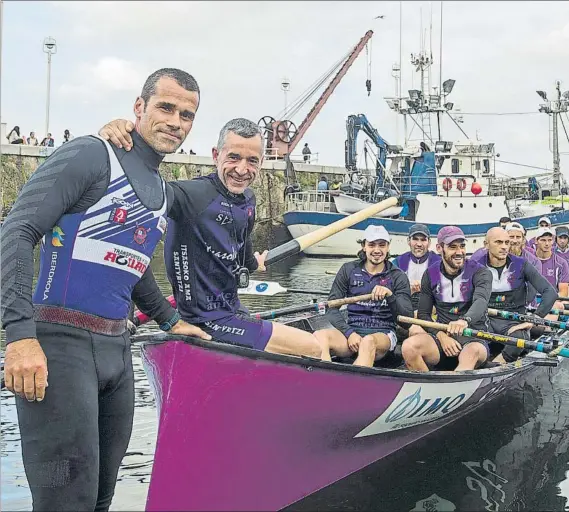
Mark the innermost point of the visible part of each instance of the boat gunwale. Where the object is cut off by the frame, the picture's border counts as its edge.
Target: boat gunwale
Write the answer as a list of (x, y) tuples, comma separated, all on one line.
[(309, 362)]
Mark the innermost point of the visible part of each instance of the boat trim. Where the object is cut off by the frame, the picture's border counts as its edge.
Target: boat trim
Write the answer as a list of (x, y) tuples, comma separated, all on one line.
[(309, 362)]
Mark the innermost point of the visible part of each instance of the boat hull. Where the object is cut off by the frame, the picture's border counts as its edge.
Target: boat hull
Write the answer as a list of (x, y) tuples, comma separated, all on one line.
[(349, 204), (245, 430), (344, 243)]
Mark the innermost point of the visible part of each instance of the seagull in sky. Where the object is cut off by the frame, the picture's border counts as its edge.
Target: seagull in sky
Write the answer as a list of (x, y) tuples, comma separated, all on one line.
[(381, 16)]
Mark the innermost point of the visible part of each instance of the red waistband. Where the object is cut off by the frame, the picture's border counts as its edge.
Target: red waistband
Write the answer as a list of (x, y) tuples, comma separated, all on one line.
[(73, 318)]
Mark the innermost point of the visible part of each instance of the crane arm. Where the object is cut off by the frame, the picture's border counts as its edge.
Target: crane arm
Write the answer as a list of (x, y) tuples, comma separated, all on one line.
[(353, 125), (328, 91)]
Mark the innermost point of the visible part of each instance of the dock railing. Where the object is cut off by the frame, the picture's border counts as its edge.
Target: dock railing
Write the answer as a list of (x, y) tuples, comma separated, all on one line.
[(312, 200)]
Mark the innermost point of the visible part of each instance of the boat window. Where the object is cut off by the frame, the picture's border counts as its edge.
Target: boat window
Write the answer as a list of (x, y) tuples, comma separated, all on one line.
[(490, 205), (486, 165), (474, 205), (454, 166), (461, 205), (445, 205), (477, 165)]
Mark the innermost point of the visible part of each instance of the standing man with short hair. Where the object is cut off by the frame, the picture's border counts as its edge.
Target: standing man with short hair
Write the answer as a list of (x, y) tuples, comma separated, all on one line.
[(100, 213), (418, 259), (209, 251)]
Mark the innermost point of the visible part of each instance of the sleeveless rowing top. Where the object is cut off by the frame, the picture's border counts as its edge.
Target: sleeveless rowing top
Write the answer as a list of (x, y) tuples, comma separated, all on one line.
[(90, 261)]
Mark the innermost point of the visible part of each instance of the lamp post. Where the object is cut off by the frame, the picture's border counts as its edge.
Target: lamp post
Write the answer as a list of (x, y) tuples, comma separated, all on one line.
[(555, 107), (285, 86), (49, 47)]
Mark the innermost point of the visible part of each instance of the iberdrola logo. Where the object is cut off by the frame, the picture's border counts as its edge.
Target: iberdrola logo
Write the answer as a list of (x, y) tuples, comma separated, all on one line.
[(57, 237)]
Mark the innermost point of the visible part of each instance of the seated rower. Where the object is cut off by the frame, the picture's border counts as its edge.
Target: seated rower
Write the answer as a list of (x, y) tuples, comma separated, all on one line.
[(551, 265), (370, 329), (415, 262), (208, 249), (512, 276), (459, 290)]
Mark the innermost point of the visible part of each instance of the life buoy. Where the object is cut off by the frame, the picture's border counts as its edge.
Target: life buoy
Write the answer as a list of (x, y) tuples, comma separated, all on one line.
[(447, 184), (461, 184)]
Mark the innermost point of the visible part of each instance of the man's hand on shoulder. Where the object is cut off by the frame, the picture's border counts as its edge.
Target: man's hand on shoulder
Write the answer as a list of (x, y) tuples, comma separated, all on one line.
[(117, 132)]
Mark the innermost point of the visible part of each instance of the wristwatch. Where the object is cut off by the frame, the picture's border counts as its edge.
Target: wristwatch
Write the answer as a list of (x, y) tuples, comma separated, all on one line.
[(467, 319), (166, 326)]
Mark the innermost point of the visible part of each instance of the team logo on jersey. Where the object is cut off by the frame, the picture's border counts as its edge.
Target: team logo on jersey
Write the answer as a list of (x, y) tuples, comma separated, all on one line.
[(249, 211), (57, 236), (140, 234), (118, 215)]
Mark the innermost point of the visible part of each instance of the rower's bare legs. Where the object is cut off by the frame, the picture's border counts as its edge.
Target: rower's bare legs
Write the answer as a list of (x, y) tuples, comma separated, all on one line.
[(289, 340), (471, 356), (499, 359), (420, 350), (373, 347), (334, 341)]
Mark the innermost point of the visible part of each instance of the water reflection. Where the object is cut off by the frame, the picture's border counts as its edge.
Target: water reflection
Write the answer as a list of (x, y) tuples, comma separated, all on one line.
[(511, 455)]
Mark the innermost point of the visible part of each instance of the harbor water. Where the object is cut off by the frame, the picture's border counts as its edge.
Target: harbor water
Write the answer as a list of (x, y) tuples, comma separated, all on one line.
[(511, 454)]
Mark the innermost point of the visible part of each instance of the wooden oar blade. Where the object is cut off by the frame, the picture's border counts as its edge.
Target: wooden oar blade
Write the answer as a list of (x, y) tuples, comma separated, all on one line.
[(303, 242)]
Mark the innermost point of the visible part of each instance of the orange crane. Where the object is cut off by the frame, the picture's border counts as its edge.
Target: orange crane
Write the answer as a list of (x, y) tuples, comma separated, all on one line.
[(283, 136)]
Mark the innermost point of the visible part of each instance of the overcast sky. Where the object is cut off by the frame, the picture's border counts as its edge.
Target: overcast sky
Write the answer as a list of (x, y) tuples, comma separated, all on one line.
[(499, 53)]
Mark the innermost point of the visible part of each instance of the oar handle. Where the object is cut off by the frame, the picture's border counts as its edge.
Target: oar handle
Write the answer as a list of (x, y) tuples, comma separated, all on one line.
[(520, 317), (488, 336), (338, 303), (422, 323), (303, 242)]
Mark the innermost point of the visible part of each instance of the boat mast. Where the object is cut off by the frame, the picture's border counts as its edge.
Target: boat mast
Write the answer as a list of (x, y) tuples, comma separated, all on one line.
[(555, 108)]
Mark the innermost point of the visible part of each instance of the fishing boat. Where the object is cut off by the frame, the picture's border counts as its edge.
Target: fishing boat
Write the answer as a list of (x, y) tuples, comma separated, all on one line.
[(439, 181), (241, 429)]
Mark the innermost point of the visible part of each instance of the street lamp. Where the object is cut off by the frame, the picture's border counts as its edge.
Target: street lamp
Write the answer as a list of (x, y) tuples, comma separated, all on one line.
[(285, 86), (49, 47)]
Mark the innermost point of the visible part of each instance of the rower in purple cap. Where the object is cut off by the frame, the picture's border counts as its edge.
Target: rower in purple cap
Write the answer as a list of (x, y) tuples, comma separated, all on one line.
[(459, 289)]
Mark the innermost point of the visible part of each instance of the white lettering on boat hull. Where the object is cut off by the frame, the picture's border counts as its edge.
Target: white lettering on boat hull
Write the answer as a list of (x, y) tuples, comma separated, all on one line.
[(418, 403)]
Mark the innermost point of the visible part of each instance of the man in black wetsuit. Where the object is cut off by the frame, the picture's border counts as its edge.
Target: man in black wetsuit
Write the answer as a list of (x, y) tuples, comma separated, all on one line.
[(208, 245), (100, 212)]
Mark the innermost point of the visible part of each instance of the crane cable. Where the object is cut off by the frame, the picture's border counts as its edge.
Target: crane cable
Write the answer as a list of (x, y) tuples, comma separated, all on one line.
[(303, 98)]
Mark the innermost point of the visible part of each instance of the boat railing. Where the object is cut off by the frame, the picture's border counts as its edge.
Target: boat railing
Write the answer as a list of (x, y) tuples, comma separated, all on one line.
[(312, 200)]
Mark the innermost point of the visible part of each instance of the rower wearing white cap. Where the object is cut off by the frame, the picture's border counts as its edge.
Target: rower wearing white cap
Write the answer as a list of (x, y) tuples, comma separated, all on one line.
[(551, 265), (369, 331), (518, 245), (543, 222)]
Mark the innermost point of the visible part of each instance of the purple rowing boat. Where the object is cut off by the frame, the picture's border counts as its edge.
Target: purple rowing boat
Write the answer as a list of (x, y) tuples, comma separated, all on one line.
[(246, 430)]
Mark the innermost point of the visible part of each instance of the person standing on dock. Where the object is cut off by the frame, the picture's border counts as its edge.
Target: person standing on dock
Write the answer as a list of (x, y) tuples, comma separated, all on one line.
[(209, 251), (306, 153), (100, 213), (369, 332), (511, 278), (459, 289), (418, 259)]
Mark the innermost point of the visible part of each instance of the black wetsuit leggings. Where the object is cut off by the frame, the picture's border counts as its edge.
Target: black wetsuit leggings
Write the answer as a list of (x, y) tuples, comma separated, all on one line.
[(75, 439)]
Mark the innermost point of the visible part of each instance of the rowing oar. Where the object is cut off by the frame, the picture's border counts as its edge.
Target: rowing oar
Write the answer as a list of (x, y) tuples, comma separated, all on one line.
[(305, 241), (488, 336), (319, 307), (518, 317)]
